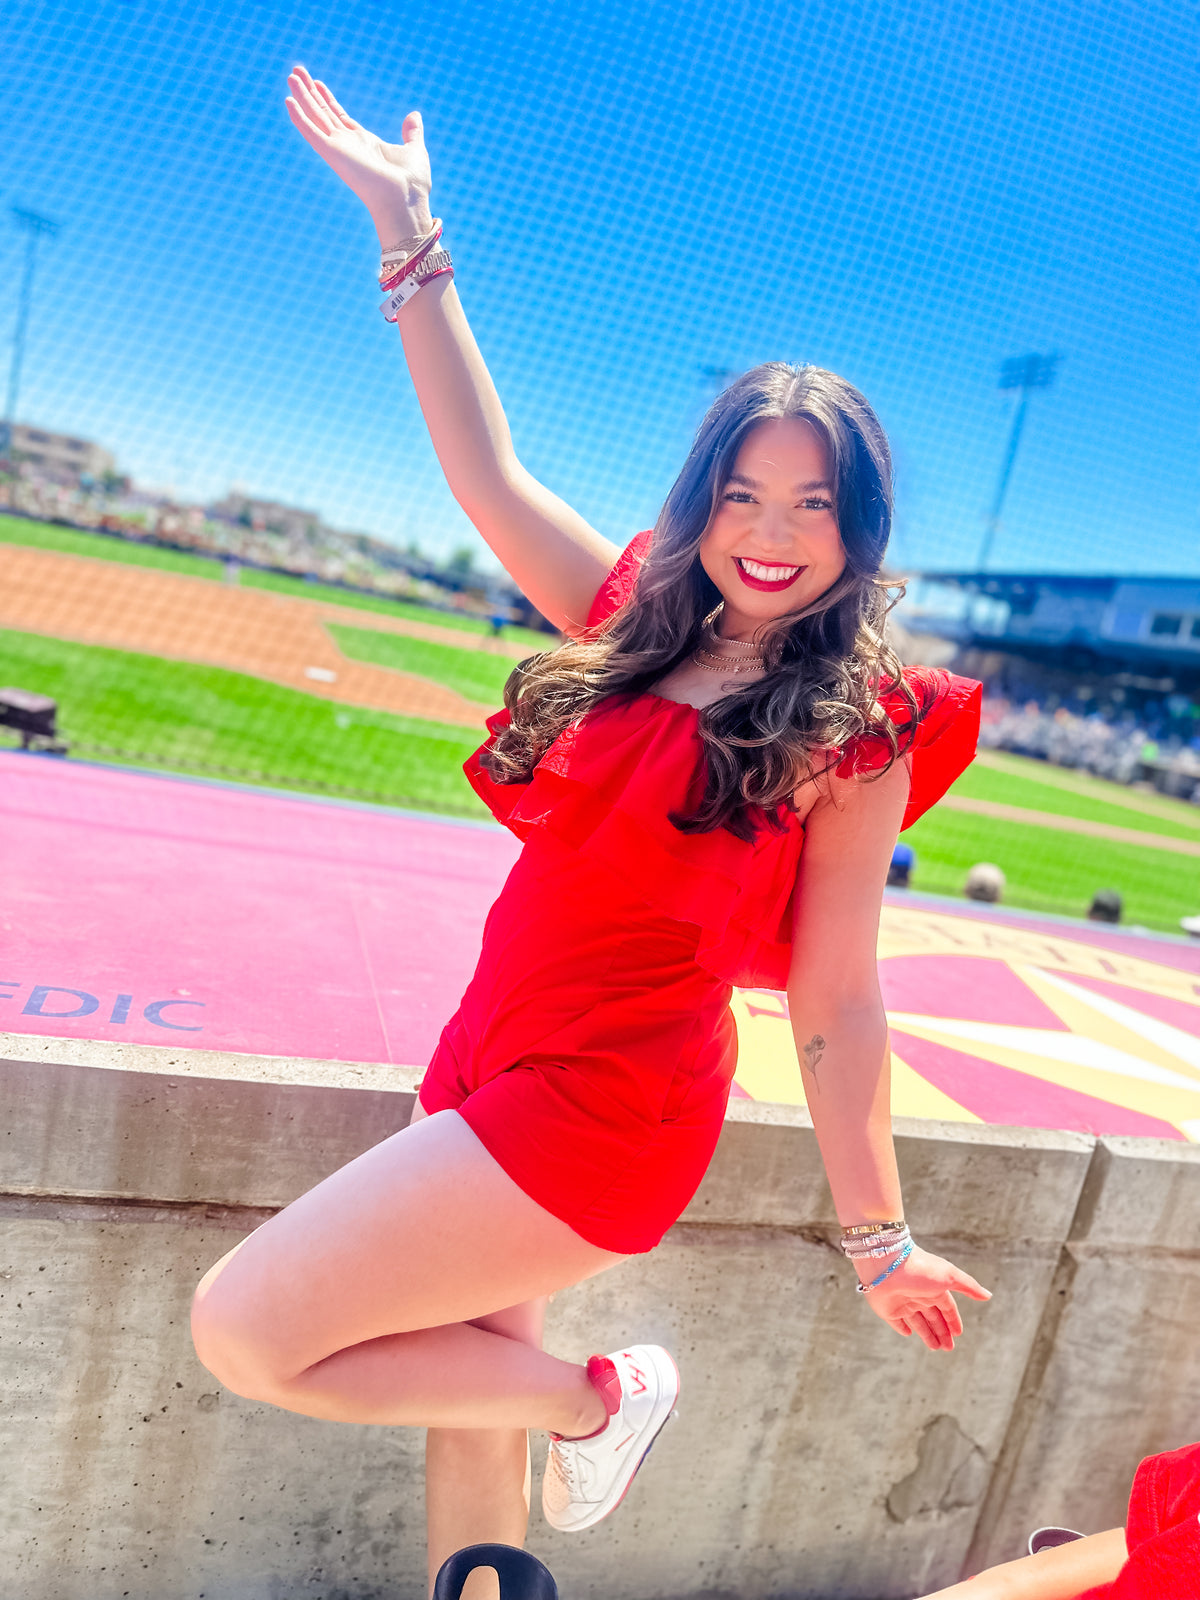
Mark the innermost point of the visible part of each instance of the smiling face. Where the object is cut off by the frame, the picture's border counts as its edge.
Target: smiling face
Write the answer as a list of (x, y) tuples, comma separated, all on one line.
[(773, 544)]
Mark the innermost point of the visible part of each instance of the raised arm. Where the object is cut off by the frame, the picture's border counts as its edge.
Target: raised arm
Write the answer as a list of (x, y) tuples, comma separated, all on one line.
[(842, 1039), (553, 555)]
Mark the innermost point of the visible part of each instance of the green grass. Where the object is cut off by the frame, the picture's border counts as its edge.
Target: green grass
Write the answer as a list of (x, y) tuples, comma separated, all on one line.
[(138, 709), (1032, 787), (107, 547), (304, 589), (74, 542), (1049, 870), (475, 674)]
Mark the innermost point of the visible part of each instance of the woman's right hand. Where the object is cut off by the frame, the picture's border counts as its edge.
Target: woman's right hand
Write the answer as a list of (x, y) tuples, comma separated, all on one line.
[(917, 1297), (391, 180)]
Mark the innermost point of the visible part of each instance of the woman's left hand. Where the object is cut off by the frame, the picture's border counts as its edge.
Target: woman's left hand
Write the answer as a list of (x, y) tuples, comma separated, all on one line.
[(919, 1297)]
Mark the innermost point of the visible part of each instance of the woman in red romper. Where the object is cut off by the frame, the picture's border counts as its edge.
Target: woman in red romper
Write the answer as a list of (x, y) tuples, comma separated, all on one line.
[(708, 778)]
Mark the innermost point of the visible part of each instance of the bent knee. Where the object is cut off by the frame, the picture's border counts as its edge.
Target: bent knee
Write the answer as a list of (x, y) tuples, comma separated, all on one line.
[(230, 1341)]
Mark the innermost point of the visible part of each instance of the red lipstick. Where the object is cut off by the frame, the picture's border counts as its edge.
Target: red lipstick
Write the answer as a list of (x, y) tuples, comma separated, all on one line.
[(771, 586)]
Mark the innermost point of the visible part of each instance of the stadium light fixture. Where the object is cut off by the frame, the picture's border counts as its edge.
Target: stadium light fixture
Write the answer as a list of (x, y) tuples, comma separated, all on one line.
[(36, 226), (1024, 373)]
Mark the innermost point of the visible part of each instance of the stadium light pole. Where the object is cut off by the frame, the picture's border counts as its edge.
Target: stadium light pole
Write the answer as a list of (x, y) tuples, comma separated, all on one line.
[(1025, 373), (35, 225)]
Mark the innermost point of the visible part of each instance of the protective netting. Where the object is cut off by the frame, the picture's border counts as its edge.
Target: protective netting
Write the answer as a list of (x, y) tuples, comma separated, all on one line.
[(640, 199)]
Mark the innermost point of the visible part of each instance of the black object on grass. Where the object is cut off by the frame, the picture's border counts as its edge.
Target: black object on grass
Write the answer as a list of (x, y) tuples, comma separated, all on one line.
[(35, 718)]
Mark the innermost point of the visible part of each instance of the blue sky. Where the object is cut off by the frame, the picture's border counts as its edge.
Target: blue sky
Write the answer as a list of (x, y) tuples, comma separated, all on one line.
[(907, 191)]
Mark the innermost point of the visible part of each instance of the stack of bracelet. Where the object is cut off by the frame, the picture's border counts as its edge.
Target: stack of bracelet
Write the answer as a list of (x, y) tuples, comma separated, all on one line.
[(408, 266), (871, 1241)]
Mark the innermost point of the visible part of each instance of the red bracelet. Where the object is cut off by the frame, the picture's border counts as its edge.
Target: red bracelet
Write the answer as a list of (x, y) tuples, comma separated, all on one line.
[(405, 290)]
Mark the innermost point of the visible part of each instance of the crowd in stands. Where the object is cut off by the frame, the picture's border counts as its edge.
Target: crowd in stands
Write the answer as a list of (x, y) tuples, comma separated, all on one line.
[(242, 530), (1159, 744), (255, 533)]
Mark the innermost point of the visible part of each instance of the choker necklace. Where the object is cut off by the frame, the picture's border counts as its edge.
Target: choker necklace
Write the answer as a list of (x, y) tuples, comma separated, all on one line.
[(736, 661)]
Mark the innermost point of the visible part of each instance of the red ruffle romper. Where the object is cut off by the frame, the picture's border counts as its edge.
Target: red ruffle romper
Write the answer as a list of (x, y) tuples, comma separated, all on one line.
[(594, 1048)]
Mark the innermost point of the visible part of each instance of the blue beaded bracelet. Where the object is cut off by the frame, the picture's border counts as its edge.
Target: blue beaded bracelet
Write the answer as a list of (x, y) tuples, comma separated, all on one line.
[(865, 1288)]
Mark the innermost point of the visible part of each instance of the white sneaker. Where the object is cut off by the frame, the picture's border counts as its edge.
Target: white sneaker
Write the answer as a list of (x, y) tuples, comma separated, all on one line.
[(587, 1478)]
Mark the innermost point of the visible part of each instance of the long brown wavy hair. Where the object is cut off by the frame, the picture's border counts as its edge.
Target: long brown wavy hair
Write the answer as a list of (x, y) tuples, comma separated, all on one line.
[(826, 665)]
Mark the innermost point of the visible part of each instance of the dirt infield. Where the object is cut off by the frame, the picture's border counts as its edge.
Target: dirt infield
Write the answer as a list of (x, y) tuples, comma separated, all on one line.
[(284, 639), (274, 636)]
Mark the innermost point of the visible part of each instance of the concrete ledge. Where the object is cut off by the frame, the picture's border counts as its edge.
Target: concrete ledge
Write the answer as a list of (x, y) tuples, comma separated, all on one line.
[(816, 1455), (170, 1060), (1114, 1370), (153, 1123), (963, 1180), (1143, 1195)]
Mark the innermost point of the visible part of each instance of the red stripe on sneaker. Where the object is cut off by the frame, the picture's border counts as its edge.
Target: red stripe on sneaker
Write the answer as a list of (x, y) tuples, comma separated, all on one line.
[(606, 1380)]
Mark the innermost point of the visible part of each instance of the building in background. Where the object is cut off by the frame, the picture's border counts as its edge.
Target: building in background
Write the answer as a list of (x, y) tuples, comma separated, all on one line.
[(56, 457), (270, 516), (1136, 633), (1098, 673)]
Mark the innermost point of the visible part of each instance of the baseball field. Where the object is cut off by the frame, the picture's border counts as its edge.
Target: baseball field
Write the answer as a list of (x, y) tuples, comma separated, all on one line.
[(157, 661)]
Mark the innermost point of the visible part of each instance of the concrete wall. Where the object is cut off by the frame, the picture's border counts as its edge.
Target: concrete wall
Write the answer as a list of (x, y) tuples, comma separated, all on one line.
[(816, 1454)]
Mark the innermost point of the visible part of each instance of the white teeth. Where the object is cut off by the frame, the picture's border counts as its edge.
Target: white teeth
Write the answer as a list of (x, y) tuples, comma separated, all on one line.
[(756, 569)]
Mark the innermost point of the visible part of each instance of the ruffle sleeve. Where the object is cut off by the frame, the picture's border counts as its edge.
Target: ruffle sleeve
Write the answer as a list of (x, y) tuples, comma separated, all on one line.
[(943, 745), (610, 784), (620, 583)]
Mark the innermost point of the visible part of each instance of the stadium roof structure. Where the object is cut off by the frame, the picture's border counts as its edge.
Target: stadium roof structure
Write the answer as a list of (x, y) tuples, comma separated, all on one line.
[(1149, 626)]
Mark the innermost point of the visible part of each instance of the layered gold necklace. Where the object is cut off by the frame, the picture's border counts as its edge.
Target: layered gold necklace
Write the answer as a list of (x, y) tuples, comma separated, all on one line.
[(735, 661)]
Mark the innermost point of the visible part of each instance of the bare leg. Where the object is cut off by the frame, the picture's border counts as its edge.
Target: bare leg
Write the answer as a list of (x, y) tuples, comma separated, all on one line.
[(376, 1298), (1059, 1574), (356, 1303), (477, 1480)]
